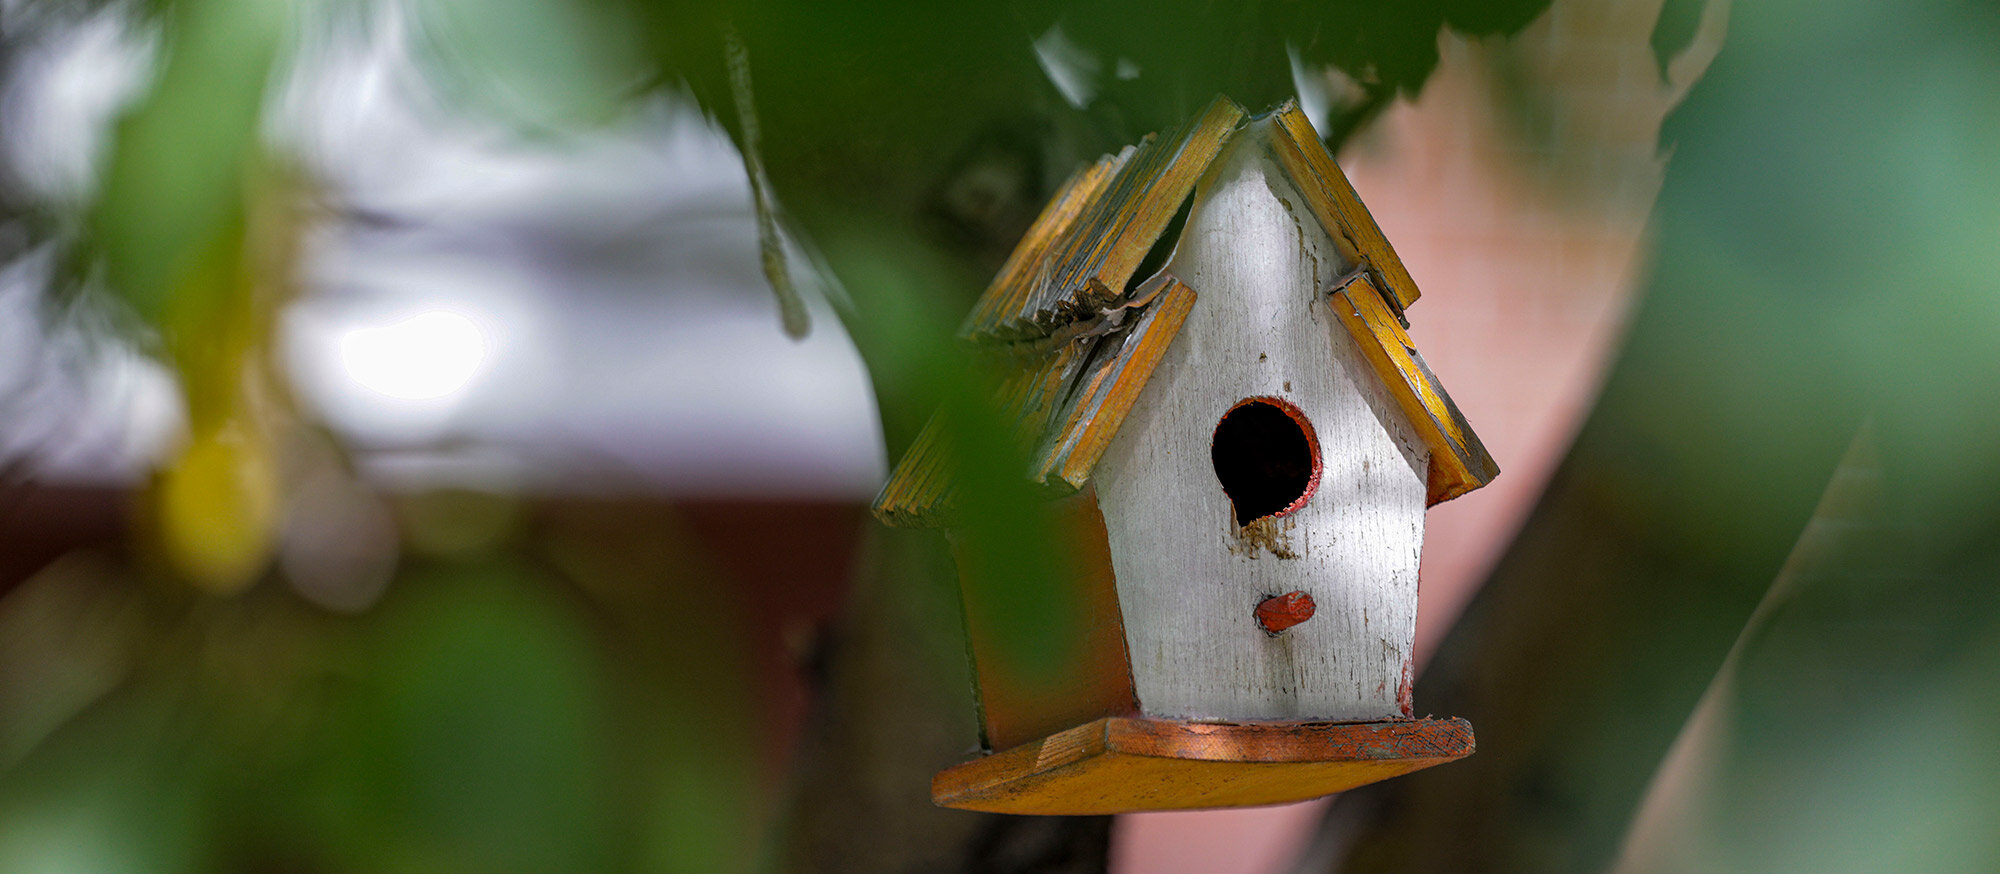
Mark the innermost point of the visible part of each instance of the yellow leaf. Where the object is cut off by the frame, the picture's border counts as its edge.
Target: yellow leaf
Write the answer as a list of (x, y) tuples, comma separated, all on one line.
[(217, 508)]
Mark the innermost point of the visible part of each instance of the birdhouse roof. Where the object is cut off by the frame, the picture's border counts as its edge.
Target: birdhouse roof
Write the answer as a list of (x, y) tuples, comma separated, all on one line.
[(1081, 313)]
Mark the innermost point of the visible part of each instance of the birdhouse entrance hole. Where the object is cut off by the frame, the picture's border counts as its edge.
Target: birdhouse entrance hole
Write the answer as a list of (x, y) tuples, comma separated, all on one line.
[(1267, 458)]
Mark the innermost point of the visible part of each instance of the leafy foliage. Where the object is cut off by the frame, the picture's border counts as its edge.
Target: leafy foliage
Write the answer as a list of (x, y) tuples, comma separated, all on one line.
[(1815, 271)]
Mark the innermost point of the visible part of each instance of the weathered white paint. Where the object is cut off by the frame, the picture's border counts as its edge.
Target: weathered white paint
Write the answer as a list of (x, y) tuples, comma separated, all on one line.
[(1188, 580)]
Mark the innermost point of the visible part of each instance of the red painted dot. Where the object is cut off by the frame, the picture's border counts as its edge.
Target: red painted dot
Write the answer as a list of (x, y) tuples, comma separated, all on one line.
[(1280, 612)]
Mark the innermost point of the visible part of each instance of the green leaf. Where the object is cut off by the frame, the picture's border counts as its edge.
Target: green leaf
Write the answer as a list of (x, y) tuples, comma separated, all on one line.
[(176, 176), (543, 64)]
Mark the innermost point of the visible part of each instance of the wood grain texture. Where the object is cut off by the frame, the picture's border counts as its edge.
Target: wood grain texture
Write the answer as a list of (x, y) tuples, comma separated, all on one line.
[(1123, 765), (1189, 579), (1459, 461), (918, 488), (1081, 254), (1101, 404), (1332, 199), (1028, 265), (1114, 239)]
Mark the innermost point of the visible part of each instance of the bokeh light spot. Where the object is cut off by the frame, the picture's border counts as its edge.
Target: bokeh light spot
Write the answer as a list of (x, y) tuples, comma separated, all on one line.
[(427, 356)]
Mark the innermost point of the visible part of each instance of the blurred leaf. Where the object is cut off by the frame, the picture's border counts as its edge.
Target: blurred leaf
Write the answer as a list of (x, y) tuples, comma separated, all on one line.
[(176, 175), (218, 507), (546, 64), (1675, 29), (219, 503), (67, 637), (1845, 732), (680, 634), (1003, 526), (1486, 18), (457, 523), (1813, 268), (874, 107), (115, 792), (475, 738)]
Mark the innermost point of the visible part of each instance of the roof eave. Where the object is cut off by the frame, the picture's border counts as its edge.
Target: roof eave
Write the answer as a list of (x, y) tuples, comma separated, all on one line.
[(1459, 462)]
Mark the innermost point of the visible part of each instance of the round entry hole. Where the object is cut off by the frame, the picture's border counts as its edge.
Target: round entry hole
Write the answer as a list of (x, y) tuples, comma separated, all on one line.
[(1267, 458)]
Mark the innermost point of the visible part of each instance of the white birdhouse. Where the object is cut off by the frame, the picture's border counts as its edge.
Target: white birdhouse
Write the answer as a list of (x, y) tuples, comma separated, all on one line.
[(1207, 337)]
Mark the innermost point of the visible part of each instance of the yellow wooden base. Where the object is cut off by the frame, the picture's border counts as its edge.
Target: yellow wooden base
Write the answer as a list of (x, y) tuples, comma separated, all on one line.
[(1127, 764)]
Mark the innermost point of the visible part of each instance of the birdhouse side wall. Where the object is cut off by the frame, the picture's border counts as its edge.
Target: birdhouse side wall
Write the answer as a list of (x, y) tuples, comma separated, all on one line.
[(1189, 578), (1079, 622)]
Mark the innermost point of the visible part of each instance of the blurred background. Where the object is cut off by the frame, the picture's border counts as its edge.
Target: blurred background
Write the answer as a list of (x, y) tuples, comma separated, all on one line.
[(437, 435)]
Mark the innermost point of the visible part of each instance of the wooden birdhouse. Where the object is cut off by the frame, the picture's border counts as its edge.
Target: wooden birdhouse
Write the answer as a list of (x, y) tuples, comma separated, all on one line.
[(1206, 335)]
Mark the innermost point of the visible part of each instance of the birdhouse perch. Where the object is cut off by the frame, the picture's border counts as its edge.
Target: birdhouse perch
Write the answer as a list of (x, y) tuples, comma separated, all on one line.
[(1206, 337)]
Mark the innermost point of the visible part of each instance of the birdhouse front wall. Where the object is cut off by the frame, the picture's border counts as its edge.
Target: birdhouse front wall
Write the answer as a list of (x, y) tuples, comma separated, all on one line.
[(1189, 573)]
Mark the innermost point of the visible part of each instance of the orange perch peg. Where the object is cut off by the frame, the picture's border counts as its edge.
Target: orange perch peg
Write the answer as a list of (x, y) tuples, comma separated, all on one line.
[(1280, 612)]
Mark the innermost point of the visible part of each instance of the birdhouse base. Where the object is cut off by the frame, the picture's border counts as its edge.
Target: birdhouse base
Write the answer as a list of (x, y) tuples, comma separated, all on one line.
[(1128, 764)]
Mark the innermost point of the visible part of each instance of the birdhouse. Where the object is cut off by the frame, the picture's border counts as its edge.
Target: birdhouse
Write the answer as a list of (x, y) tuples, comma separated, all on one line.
[(1206, 348)]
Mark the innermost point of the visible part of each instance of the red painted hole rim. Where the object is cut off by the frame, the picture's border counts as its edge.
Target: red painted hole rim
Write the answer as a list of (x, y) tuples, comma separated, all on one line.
[(1298, 417)]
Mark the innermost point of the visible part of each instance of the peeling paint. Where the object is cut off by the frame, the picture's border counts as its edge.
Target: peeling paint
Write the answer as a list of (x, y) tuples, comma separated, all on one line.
[(1406, 698), (1299, 226), (1270, 533)]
